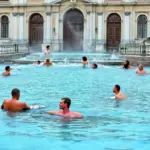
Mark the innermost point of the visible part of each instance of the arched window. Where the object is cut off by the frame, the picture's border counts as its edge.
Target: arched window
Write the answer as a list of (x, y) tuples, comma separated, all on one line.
[(4, 27), (142, 26)]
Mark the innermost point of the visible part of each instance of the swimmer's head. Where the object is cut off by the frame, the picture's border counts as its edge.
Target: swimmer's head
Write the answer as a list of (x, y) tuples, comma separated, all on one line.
[(38, 62), (15, 93), (47, 60), (7, 68), (47, 46), (84, 58), (116, 88), (94, 66), (65, 103), (141, 67), (127, 64)]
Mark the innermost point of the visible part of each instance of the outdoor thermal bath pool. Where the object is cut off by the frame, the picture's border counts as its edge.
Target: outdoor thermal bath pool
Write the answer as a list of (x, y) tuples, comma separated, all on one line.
[(107, 124)]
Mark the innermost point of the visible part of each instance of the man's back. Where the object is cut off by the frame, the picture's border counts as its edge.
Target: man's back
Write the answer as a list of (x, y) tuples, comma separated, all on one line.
[(15, 106)]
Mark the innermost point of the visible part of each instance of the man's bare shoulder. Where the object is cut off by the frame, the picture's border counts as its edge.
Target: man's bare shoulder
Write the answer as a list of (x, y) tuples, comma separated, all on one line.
[(77, 114), (6, 101)]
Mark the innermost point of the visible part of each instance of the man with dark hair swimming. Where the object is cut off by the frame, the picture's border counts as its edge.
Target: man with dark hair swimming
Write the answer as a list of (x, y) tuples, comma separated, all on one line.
[(65, 105), (13, 104), (118, 94), (94, 66), (7, 71)]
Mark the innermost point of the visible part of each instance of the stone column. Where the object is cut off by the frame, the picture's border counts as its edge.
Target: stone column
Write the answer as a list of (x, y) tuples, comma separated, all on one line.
[(100, 42), (127, 27), (87, 34), (88, 26), (48, 27), (91, 25), (100, 26), (15, 26), (92, 31), (21, 26), (57, 26)]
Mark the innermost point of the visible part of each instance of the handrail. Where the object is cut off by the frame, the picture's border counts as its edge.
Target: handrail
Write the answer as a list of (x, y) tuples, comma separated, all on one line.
[(140, 49), (14, 49)]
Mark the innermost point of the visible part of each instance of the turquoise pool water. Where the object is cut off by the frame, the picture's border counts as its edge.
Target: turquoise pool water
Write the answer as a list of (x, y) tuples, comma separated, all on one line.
[(107, 124)]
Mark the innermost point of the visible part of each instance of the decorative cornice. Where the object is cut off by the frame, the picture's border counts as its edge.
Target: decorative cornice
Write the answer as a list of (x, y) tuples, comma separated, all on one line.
[(88, 12), (100, 13), (127, 13), (21, 14), (18, 14), (15, 13), (48, 13)]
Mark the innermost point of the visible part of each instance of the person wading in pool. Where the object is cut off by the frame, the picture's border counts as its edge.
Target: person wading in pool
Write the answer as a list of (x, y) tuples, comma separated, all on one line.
[(48, 63), (65, 105), (141, 70), (84, 61), (7, 71), (127, 65), (118, 94), (94, 66), (13, 104)]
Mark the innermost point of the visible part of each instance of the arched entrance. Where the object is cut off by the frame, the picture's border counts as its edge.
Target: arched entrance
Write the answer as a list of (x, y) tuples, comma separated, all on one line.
[(113, 31), (73, 30), (36, 29)]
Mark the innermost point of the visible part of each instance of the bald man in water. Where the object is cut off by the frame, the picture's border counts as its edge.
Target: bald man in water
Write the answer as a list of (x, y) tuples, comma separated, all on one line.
[(13, 104), (141, 70)]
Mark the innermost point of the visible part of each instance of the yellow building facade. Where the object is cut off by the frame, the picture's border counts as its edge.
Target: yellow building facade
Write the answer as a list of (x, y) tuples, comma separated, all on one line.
[(74, 25)]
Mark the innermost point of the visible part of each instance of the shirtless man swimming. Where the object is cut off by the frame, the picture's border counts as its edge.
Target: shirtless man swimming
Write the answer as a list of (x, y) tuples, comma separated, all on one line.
[(118, 94), (13, 104), (7, 71), (48, 63), (64, 105), (141, 70)]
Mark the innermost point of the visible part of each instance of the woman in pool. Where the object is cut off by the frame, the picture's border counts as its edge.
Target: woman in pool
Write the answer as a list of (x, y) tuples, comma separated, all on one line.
[(127, 65), (47, 50), (48, 63), (84, 61)]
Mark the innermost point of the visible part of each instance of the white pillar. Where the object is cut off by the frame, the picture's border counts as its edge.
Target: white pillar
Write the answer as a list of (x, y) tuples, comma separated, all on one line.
[(127, 27), (57, 26), (100, 26), (48, 27), (91, 27), (87, 29), (21, 26), (15, 26)]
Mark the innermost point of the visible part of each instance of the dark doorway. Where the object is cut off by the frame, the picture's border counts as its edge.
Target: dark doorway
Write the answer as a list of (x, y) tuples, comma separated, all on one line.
[(36, 29), (73, 30), (113, 31)]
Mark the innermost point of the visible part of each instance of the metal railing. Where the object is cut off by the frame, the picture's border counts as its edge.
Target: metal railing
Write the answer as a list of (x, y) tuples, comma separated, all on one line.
[(134, 49), (14, 49)]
